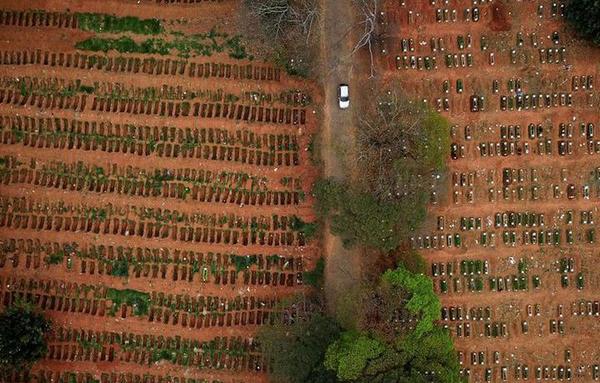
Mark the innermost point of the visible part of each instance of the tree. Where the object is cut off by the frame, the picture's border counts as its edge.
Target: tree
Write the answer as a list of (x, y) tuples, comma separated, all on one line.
[(349, 355), (422, 302), (400, 144), (296, 350), (584, 17), (22, 337), (284, 30), (388, 347), (358, 218), (368, 10)]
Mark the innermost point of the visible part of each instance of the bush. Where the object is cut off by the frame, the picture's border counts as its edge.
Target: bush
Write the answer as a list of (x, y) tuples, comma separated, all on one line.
[(584, 17), (22, 337), (244, 262)]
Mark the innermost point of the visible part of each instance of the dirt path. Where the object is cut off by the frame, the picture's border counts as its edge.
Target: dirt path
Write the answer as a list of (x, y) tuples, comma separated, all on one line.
[(343, 265)]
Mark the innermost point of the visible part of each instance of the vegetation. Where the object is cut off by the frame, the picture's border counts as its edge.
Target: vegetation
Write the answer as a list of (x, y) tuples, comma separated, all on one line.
[(102, 23), (411, 260), (297, 350), (385, 345), (120, 267), (360, 219), (139, 301), (308, 230), (204, 44), (387, 350), (22, 337), (402, 144), (393, 337), (401, 148), (584, 17), (243, 262), (315, 276), (55, 258), (284, 32), (349, 355)]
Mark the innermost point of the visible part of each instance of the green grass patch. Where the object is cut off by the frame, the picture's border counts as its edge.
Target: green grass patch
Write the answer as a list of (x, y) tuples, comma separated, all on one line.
[(55, 258), (243, 262), (138, 300), (120, 267), (204, 44), (103, 23)]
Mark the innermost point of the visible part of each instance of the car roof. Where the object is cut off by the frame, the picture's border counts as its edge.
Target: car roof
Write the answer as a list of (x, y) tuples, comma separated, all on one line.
[(344, 90)]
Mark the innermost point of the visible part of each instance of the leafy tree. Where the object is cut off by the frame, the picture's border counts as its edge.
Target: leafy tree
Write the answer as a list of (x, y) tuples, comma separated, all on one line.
[(297, 350), (360, 219), (584, 16), (349, 355), (22, 337), (423, 300), (385, 350), (411, 260)]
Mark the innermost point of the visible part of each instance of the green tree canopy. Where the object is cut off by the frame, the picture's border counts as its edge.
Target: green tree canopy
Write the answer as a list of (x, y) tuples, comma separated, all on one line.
[(423, 300), (349, 355), (385, 349), (22, 337), (297, 350), (584, 17), (360, 219)]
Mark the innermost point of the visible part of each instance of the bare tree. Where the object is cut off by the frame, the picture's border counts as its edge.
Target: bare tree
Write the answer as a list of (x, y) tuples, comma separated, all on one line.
[(278, 16), (368, 9), (398, 141), (285, 31)]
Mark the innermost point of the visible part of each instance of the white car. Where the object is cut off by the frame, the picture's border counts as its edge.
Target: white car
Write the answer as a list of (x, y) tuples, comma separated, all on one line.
[(344, 96)]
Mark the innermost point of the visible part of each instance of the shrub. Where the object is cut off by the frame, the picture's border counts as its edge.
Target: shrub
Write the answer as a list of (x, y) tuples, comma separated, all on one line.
[(243, 262), (199, 44)]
